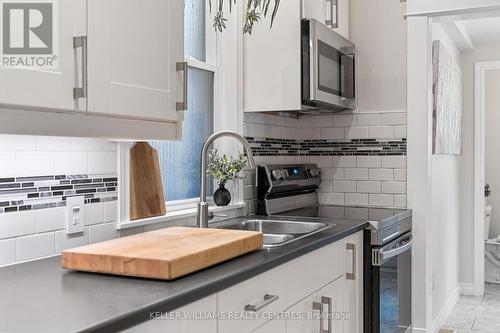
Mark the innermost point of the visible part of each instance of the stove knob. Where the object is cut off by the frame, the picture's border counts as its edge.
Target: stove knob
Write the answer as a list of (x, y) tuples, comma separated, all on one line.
[(285, 173), (277, 174), (314, 172)]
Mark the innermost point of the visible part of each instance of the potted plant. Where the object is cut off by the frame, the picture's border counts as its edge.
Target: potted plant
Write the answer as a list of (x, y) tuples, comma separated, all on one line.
[(254, 11), (223, 169)]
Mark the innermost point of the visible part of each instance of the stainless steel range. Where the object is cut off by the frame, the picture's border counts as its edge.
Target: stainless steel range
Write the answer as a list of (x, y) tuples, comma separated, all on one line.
[(290, 191)]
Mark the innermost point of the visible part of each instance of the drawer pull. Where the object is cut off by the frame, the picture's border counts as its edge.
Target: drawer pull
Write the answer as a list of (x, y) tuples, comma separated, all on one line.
[(319, 307), (352, 275), (328, 301), (268, 299)]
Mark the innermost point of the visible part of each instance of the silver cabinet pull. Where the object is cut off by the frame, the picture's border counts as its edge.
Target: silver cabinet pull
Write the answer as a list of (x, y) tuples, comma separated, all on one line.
[(268, 299), (183, 66), (333, 3), (319, 307), (81, 42), (328, 301), (352, 275)]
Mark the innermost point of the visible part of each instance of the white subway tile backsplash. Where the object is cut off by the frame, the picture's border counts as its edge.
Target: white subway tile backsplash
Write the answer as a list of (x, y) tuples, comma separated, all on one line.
[(102, 163), (53, 143), (50, 219), (332, 198), (64, 242), (344, 161), (17, 224), (344, 186), (394, 162), (400, 131), (332, 173), (87, 144), (356, 199), (17, 142), (344, 120), (333, 133), (322, 161), (35, 246), (70, 163), (400, 201), (357, 132), (7, 164), (385, 132), (368, 161), (356, 174), (109, 146), (394, 187), (367, 119), (94, 213), (381, 174), (400, 174), (34, 163), (394, 118), (111, 211), (326, 186), (7, 252), (320, 121), (368, 187), (102, 232), (381, 200)]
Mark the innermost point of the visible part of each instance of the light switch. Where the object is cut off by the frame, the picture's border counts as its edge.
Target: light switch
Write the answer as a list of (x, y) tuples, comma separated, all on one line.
[(75, 217)]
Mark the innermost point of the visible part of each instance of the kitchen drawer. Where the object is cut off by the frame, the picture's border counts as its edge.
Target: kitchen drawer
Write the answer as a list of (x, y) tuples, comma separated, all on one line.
[(233, 301), (308, 273)]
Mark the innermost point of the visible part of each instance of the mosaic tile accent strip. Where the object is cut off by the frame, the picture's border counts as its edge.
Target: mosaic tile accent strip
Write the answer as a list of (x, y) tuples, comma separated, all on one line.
[(42, 192), (353, 147)]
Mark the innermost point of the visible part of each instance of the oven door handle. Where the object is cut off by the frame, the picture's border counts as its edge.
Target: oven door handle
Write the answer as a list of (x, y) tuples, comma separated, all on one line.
[(384, 255)]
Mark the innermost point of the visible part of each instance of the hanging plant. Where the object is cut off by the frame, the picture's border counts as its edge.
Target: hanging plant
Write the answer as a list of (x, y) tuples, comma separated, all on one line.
[(254, 12)]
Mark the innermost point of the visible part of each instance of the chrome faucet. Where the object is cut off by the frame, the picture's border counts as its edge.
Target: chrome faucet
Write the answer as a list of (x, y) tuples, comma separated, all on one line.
[(203, 215)]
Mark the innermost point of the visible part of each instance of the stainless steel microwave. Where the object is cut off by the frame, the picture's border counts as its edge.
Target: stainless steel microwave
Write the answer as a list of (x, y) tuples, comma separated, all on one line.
[(328, 69)]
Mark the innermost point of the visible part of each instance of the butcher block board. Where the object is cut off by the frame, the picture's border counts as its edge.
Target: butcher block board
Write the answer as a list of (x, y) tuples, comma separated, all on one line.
[(164, 254)]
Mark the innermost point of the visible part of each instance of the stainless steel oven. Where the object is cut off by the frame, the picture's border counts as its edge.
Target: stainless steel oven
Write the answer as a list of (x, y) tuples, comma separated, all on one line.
[(328, 69), (387, 277)]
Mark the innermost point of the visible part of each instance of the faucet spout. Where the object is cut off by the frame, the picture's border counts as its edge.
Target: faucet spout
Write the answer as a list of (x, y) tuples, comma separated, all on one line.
[(203, 215)]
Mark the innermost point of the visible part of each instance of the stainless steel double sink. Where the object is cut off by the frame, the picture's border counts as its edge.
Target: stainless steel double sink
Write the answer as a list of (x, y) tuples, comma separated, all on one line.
[(279, 232)]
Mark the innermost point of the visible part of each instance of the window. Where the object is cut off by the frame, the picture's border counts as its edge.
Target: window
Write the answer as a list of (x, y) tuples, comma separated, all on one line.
[(180, 160)]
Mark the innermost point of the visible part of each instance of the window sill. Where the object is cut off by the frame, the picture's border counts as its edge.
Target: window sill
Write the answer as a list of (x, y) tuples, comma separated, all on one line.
[(178, 214)]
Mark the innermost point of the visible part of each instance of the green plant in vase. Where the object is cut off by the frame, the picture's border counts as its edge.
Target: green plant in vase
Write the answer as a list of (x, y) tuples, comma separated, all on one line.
[(224, 168), (255, 10)]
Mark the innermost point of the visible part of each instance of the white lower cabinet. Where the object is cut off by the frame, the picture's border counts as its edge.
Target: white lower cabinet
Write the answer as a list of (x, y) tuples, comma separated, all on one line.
[(353, 288), (182, 325), (273, 326)]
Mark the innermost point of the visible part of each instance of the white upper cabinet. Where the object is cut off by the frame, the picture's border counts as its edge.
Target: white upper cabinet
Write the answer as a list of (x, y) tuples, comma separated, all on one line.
[(50, 85), (133, 48), (271, 63), (333, 13)]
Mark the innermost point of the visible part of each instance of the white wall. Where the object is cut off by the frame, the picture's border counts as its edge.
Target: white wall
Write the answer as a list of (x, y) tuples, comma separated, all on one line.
[(492, 139), (379, 30), (429, 6), (445, 211), (482, 52)]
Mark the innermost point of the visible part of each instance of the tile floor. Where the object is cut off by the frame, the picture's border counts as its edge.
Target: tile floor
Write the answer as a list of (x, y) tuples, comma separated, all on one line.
[(477, 314)]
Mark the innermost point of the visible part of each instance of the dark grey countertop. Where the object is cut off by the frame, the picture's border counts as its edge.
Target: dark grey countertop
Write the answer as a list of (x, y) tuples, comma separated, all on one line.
[(40, 296)]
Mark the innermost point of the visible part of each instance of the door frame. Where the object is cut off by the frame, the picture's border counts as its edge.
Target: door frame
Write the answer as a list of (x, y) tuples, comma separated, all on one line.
[(480, 69)]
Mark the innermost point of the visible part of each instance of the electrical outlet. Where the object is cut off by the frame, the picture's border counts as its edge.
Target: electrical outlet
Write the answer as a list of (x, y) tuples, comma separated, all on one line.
[(75, 215)]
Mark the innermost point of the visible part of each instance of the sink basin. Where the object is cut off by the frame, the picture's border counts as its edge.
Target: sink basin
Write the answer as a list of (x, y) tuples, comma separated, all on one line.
[(279, 232)]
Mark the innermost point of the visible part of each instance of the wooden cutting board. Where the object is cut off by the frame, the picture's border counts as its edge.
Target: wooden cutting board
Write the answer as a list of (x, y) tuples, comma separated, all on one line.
[(162, 254), (146, 189)]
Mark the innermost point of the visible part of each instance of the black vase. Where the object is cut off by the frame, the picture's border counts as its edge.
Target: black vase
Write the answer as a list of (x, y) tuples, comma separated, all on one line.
[(222, 197)]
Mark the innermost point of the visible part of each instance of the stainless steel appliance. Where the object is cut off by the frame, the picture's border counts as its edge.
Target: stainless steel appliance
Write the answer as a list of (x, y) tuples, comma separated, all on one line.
[(328, 69), (290, 191)]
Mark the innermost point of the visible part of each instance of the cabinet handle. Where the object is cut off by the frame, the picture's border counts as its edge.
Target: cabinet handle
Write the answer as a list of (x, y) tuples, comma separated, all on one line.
[(328, 301), (81, 42), (332, 12), (352, 275), (319, 307), (268, 299), (183, 66)]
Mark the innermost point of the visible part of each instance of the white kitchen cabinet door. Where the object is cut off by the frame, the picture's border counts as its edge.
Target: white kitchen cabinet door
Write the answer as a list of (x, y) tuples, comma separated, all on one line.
[(133, 48), (301, 316), (273, 326), (331, 13), (44, 87), (332, 298), (343, 18), (353, 277), (182, 325), (271, 63)]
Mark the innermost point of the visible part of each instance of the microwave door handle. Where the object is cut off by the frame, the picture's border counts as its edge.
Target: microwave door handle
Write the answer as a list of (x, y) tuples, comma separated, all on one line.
[(384, 255)]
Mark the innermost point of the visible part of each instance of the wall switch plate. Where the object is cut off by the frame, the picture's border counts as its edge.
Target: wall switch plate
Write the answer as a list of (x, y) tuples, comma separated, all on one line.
[(75, 215)]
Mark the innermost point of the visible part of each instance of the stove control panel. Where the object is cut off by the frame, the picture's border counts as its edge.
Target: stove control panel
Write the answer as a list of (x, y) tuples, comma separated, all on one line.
[(280, 178)]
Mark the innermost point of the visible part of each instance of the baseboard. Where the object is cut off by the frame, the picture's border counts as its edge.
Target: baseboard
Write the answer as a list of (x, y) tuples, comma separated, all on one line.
[(446, 310), (466, 289)]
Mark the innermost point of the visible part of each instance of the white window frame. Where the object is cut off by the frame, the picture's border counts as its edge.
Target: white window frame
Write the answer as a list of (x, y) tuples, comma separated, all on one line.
[(231, 40)]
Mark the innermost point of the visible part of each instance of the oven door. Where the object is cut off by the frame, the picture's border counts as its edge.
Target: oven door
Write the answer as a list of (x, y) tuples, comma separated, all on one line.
[(332, 68), (390, 287)]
